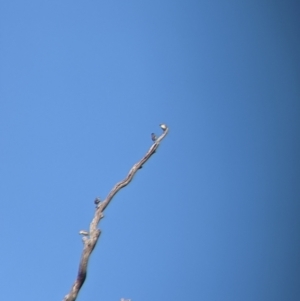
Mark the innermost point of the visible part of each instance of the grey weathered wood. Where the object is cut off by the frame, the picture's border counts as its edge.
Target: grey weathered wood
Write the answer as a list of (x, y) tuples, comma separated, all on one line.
[(90, 240)]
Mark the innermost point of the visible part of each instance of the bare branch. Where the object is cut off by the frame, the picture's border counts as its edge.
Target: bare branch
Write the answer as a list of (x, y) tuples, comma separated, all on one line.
[(90, 238)]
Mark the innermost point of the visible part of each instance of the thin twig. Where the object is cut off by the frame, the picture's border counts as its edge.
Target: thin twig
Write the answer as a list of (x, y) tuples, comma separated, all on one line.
[(90, 238)]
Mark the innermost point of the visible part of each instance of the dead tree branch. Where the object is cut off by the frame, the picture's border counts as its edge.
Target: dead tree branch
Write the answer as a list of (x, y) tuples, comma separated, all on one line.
[(90, 238)]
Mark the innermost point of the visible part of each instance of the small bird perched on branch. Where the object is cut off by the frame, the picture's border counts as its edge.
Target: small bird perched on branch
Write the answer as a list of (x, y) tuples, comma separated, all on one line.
[(163, 126), (153, 137), (97, 201)]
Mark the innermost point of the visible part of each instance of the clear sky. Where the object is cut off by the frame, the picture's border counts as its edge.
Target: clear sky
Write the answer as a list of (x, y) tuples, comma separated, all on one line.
[(214, 214)]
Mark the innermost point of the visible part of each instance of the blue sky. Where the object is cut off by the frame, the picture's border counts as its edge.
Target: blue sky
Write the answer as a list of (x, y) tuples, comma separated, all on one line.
[(214, 214)]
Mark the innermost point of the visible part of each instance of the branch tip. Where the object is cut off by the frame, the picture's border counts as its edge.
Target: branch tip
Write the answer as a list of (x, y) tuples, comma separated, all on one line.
[(163, 126), (84, 233)]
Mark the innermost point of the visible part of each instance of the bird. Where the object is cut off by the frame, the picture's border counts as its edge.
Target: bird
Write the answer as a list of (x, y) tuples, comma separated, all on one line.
[(163, 126), (97, 201), (153, 137)]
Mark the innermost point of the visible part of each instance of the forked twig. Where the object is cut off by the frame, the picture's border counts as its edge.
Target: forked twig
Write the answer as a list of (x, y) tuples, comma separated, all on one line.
[(90, 238)]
